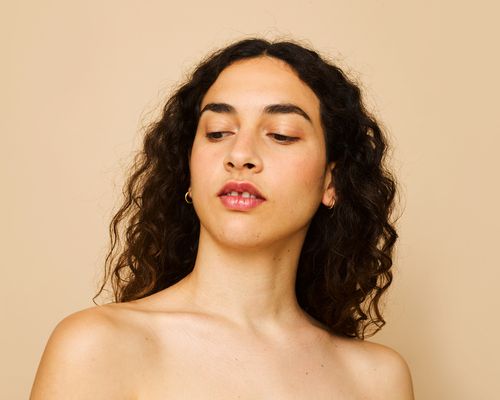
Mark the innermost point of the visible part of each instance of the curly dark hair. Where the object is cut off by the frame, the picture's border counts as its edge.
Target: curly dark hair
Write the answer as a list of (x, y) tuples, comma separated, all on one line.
[(345, 262)]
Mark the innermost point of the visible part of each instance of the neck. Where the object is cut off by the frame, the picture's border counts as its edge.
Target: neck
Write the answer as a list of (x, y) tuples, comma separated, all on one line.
[(252, 287)]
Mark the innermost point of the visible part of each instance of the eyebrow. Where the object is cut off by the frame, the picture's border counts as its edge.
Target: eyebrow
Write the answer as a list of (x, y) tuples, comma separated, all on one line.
[(282, 108)]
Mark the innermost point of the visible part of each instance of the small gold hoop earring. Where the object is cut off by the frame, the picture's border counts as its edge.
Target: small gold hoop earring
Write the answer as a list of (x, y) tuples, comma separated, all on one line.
[(330, 207), (186, 198)]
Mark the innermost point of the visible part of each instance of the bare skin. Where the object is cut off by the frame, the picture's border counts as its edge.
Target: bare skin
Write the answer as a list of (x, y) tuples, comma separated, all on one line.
[(143, 350), (232, 329)]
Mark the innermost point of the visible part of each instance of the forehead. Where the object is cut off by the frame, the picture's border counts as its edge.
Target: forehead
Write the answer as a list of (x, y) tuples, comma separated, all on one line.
[(251, 84)]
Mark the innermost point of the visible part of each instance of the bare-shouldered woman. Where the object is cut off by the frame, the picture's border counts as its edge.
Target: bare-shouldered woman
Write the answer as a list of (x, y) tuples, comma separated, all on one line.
[(263, 279)]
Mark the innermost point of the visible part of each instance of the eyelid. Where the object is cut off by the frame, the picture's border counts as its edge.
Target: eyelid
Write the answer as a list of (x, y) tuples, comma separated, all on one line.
[(207, 135), (287, 139)]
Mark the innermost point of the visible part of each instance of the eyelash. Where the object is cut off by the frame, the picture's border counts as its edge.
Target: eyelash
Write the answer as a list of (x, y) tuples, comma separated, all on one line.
[(288, 139)]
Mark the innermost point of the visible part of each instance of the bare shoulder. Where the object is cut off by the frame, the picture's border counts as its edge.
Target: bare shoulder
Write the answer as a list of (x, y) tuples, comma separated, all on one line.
[(82, 358), (390, 373), (384, 372)]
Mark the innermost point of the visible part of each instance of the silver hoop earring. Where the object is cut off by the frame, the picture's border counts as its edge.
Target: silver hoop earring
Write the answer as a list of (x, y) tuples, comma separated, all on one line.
[(186, 198)]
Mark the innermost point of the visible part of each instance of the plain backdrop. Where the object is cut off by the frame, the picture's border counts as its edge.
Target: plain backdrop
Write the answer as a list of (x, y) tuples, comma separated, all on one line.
[(80, 79)]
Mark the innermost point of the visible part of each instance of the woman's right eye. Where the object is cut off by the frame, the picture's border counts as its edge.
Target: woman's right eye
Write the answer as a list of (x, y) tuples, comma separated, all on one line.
[(215, 135)]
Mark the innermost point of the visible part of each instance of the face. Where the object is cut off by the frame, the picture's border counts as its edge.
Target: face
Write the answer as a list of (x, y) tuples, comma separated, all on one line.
[(280, 150)]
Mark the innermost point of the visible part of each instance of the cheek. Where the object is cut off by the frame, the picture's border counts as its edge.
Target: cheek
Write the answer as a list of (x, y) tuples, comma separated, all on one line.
[(202, 168), (195, 162), (306, 175), (298, 189), (198, 158)]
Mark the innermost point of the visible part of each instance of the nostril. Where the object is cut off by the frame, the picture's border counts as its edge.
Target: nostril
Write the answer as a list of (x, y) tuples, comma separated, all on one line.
[(249, 165)]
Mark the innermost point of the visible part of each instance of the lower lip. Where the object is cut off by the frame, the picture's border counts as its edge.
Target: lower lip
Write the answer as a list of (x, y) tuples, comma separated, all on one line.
[(240, 203)]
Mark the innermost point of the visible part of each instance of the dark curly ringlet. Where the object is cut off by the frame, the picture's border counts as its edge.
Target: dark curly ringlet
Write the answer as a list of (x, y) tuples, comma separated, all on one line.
[(345, 263)]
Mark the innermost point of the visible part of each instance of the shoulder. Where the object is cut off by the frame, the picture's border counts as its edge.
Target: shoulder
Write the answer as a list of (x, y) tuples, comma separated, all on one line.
[(85, 328), (384, 372), (86, 346), (89, 329)]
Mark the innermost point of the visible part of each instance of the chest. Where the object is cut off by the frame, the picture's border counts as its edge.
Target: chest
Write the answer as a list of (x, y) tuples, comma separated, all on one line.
[(218, 368)]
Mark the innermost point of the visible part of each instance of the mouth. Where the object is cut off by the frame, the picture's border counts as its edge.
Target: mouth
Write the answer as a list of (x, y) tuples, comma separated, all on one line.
[(244, 190)]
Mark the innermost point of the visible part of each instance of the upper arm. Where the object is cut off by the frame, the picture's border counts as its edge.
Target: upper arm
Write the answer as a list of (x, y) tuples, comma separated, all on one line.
[(78, 361)]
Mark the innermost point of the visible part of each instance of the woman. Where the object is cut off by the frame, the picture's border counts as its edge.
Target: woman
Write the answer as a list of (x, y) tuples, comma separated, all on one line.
[(257, 246)]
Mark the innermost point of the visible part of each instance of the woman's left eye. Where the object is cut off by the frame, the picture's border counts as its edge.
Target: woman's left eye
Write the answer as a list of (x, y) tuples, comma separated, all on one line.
[(283, 138)]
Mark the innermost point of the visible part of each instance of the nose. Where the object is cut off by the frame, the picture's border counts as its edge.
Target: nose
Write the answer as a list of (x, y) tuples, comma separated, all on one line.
[(243, 153)]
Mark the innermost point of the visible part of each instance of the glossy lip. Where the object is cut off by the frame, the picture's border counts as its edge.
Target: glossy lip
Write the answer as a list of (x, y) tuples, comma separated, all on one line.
[(239, 203), (235, 186)]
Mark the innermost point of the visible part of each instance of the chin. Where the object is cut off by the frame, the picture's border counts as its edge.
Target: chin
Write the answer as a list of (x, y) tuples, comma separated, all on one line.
[(242, 238), (247, 239)]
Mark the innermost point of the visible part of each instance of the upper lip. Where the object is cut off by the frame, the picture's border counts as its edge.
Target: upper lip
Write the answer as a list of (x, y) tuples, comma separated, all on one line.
[(235, 186)]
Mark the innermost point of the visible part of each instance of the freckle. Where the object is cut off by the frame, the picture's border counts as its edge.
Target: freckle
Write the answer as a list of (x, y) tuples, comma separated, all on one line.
[(322, 365), (307, 373)]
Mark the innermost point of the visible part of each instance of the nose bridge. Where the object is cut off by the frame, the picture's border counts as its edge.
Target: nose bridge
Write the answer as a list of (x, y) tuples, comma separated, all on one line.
[(244, 149)]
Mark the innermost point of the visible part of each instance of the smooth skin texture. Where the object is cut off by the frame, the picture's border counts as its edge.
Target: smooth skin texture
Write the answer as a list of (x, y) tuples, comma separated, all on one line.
[(232, 329)]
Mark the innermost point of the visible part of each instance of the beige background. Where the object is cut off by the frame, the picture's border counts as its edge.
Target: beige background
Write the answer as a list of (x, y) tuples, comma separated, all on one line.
[(79, 79)]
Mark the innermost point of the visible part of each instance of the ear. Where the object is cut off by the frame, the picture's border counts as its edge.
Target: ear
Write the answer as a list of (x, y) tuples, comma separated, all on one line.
[(328, 188)]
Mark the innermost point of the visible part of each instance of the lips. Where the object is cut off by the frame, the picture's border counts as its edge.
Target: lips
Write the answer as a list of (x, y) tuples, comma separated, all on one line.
[(240, 187)]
